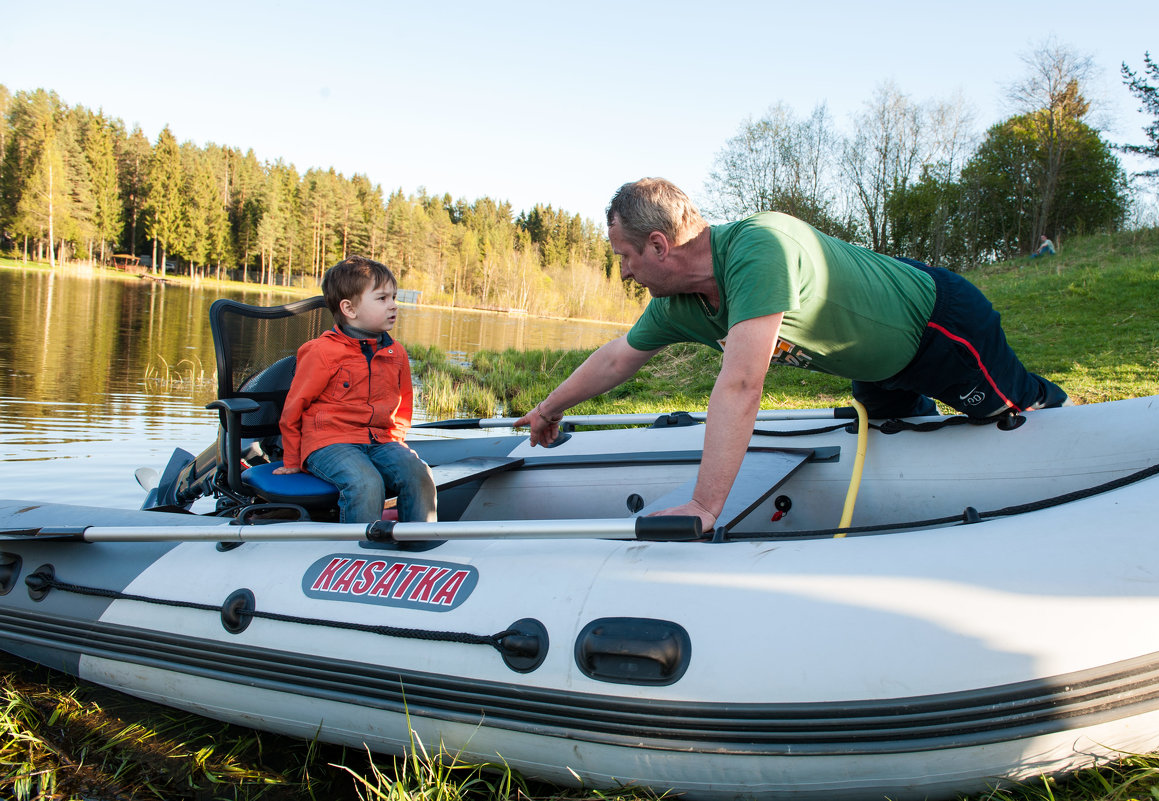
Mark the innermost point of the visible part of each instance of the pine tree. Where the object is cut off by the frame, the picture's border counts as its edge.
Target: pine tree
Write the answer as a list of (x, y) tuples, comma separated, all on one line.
[(1148, 95), (163, 203), (133, 154), (247, 180), (108, 213), (217, 244), (201, 197)]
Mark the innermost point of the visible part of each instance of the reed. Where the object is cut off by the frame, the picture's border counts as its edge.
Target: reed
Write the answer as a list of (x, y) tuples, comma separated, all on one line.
[(187, 376), (438, 394)]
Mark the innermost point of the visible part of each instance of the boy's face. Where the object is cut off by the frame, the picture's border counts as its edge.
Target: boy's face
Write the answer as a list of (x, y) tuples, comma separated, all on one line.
[(374, 310)]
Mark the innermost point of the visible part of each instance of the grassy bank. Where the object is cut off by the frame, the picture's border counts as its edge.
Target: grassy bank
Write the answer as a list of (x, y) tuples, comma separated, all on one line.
[(1087, 318)]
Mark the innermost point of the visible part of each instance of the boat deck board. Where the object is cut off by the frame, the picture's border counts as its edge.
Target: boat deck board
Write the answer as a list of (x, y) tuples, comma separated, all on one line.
[(761, 473)]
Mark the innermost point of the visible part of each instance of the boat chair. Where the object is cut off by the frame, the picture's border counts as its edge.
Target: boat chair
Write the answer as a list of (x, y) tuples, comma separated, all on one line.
[(256, 349)]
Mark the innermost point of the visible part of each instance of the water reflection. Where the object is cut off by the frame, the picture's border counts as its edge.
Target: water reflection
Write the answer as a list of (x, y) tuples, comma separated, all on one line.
[(99, 376)]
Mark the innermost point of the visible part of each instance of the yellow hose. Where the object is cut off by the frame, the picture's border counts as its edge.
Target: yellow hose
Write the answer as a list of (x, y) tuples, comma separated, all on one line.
[(858, 466)]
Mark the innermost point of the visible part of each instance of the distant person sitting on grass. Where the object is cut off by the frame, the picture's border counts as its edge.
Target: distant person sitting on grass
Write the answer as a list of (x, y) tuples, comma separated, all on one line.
[(1045, 247), (349, 406)]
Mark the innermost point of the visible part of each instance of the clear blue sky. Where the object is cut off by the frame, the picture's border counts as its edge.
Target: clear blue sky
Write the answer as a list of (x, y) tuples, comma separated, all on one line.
[(531, 102)]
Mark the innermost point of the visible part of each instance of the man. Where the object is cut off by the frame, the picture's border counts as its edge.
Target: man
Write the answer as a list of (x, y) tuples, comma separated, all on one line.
[(772, 289)]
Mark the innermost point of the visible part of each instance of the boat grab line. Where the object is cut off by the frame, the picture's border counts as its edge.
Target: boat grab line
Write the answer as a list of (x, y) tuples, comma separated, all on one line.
[(44, 579)]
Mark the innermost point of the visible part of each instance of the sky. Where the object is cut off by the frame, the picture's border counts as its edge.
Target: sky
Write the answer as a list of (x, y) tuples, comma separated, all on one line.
[(541, 102)]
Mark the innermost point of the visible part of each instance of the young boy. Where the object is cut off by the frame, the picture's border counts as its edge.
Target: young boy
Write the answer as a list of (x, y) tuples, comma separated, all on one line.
[(349, 406)]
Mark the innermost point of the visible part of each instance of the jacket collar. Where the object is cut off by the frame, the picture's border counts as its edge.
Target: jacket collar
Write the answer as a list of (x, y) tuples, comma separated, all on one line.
[(383, 339)]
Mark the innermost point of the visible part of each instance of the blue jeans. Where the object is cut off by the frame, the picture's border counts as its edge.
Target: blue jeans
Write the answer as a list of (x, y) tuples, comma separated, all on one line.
[(366, 474)]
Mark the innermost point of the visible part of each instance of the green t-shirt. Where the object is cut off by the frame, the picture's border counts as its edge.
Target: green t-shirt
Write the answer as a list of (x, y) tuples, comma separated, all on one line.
[(848, 311)]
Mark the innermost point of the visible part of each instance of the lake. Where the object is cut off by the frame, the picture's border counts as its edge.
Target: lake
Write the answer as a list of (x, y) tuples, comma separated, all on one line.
[(101, 375)]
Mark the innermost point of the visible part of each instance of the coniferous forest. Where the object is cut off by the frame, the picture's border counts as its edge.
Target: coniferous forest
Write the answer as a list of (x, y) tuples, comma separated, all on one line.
[(76, 184)]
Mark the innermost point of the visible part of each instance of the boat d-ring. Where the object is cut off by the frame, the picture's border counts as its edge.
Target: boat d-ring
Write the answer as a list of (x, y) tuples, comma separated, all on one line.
[(39, 582), (237, 611), (525, 649)]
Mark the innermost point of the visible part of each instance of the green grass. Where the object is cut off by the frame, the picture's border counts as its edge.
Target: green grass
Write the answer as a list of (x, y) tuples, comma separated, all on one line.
[(1087, 318)]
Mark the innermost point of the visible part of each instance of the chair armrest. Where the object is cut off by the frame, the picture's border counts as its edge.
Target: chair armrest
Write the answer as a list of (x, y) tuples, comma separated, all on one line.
[(231, 410), (237, 406)]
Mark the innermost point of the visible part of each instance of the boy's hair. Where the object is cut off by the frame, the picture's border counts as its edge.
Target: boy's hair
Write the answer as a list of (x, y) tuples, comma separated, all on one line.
[(349, 278)]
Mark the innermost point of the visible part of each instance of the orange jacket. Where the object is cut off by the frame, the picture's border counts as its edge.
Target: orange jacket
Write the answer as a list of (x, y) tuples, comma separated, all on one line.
[(336, 396)]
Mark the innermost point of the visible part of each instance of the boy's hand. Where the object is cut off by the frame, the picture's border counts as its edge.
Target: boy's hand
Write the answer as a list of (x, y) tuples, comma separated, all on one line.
[(283, 470)]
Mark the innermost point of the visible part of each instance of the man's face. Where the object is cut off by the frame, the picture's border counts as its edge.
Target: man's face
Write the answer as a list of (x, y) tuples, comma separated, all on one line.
[(644, 266)]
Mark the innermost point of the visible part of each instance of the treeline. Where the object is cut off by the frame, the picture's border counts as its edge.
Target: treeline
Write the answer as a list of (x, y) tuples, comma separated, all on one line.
[(914, 179), (77, 184)]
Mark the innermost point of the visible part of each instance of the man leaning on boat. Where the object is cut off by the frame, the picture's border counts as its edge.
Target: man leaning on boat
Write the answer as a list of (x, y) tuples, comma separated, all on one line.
[(771, 289)]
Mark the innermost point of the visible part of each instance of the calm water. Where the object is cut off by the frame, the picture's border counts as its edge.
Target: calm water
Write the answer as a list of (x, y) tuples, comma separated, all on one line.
[(100, 376)]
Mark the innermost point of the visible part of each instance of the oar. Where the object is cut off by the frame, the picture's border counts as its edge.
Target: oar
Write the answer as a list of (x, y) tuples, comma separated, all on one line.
[(648, 529), (837, 413)]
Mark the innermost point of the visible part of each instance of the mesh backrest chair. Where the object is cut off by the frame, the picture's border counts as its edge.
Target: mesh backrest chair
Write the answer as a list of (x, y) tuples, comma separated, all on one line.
[(256, 349)]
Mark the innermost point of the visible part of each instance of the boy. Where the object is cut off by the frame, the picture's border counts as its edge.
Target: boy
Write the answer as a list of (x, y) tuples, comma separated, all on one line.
[(349, 405)]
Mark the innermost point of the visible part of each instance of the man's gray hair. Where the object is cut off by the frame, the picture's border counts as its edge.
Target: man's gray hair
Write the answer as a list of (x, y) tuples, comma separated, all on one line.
[(654, 204)]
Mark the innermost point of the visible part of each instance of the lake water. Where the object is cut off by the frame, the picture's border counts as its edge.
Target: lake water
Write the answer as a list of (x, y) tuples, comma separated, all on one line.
[(100, 375)]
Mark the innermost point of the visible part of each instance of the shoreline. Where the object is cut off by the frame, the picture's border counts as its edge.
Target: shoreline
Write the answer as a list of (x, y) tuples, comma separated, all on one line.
[(89, 268)]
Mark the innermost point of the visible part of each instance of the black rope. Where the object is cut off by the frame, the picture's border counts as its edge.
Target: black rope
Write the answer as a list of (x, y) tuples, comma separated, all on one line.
[(825, 430), (41, 581), (970, 515), (891, 426)]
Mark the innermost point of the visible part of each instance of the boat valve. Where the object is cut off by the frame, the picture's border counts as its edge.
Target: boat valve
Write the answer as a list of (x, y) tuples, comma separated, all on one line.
[(524, 645), (782, 504)]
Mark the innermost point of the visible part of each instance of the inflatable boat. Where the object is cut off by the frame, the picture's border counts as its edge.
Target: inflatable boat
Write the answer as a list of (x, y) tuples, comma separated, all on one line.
[(904, 609)]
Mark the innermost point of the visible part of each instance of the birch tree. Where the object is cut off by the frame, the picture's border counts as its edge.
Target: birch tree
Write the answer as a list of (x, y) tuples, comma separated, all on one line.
[(777, 163), (1051, 101), (883, 156)]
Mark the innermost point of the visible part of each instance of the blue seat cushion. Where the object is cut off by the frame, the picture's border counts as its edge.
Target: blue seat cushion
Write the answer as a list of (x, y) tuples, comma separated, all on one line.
[(300, 488)]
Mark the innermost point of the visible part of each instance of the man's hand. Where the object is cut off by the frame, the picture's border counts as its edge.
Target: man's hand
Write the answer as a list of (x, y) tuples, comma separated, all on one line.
[(285, 471), (544, 427), (691, 509)]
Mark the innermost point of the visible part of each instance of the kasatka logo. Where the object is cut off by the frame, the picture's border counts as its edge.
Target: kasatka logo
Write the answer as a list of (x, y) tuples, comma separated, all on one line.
[(408, 583)]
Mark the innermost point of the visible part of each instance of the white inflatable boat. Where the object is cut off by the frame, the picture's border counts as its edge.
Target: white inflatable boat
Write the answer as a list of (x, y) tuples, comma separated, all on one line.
[(983, 616)]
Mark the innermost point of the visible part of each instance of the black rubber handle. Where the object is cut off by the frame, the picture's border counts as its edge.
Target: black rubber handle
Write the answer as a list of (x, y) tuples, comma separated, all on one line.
[(669, 528)]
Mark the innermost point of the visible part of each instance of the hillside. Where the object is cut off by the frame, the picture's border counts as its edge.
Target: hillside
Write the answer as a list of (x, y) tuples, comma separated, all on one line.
[(1087, 318)]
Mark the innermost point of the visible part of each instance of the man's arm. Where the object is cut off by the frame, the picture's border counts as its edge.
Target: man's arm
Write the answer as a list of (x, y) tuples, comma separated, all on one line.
[(732, 412), (609, 366)]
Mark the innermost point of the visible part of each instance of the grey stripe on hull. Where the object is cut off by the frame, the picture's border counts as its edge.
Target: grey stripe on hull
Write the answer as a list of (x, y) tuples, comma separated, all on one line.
[(902, 725)]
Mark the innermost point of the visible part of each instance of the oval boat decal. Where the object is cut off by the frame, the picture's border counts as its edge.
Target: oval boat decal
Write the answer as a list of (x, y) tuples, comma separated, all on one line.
[(391, 581)]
